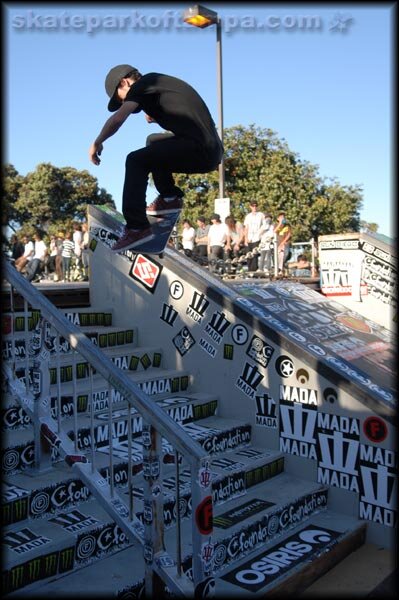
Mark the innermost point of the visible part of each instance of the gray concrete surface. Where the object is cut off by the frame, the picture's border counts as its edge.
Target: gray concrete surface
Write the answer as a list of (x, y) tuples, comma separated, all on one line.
[(367, 572)]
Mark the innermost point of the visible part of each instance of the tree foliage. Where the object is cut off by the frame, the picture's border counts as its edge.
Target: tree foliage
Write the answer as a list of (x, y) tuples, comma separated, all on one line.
[(260, 166), (49, 198)]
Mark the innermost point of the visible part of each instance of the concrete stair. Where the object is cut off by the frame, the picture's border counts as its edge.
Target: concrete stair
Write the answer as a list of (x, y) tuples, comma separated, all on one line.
[(272, 532)]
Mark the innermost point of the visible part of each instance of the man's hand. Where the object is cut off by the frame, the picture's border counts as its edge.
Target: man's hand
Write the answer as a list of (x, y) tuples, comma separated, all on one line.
[(95, 152)]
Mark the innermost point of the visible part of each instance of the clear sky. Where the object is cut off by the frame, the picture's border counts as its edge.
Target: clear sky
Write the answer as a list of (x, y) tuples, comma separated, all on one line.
[(319, 75)]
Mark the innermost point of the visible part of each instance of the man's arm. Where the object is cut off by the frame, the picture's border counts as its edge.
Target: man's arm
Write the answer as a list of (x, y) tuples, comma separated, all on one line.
[(111, 126)]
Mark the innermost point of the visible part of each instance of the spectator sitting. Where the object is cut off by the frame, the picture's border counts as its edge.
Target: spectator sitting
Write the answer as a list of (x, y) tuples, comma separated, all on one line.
[(17, 248), (302, 268), (35, 265), (29, 251), (235, 237), (201, 238), (217, 237)]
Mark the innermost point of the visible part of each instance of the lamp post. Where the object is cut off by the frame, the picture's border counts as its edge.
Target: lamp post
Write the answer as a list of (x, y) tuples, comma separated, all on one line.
[(202, 17)]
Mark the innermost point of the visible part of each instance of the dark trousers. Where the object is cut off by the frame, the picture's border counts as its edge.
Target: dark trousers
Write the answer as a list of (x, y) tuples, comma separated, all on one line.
[(252, 262), (33, 268), (163, 155), (201, 250)]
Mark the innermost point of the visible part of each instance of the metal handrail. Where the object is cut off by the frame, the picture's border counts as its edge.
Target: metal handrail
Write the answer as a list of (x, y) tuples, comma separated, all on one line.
[(150, 411), (154, 417)]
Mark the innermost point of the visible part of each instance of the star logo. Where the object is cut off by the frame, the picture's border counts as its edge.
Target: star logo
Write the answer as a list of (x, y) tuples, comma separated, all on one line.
[(284, 366), (340, 23)]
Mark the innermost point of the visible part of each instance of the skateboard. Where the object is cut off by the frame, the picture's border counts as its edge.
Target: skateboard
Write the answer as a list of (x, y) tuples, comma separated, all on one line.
[(162, 227)]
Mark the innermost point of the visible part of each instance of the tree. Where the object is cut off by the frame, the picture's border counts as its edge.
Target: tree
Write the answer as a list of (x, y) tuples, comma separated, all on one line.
[(12, 182), (50, 198), (260, 166), (368, 227)]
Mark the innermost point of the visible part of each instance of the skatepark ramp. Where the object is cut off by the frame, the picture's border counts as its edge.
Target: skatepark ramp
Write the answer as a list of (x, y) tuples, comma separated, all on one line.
[(359, 270), (223, 437)]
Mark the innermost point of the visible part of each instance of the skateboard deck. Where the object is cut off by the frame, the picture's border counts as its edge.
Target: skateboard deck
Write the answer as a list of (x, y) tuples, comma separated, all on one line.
[(162, 228)]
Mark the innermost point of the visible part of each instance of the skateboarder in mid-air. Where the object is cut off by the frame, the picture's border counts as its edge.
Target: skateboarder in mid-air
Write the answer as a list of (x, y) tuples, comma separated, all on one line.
[(191, 144)]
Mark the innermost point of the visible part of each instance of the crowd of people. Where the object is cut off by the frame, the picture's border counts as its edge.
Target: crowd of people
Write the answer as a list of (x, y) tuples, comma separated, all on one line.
[(256, 243), (253, 240), (61, 257)]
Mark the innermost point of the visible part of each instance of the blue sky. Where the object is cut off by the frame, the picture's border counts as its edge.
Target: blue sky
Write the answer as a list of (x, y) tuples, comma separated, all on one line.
[(320, 76)]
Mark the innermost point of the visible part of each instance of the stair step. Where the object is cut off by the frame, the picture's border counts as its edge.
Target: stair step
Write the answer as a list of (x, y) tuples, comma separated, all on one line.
[(103, 337), (154, 382), (18, 447), (47, 547), (251, 536), (231, 478), (133, 359), (264, 513), (83, 316), (86, 316), (104, 578), (35, 495), (290, 564), (214, 434), (17, 451), (184, 413)]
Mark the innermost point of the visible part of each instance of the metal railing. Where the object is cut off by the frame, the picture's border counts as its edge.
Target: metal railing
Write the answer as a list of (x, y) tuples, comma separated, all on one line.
[(313, 249), (32, 390)]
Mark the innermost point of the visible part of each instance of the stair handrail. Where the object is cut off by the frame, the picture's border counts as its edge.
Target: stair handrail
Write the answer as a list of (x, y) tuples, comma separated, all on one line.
[(158, 419), (150, 411)]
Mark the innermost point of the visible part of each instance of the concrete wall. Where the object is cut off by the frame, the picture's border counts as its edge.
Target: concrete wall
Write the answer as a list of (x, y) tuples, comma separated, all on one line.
[(360, 271), (312, 378)]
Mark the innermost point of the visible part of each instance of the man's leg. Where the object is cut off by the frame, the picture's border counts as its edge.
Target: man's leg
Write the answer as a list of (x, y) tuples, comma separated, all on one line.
[(32, 269), (161, 157)]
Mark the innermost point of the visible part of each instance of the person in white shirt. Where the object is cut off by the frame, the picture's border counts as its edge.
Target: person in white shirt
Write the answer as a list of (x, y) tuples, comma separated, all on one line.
[(188, 236), (252, 226), (266, 244), (29, 251), (217, 238), (37, 262), (77, 240)]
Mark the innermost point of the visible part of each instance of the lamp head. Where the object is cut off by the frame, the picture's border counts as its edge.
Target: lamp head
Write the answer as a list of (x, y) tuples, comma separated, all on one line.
[(200, 16)]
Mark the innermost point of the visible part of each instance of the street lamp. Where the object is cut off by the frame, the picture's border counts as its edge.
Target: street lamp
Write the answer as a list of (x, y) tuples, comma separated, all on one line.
[(202, 17)]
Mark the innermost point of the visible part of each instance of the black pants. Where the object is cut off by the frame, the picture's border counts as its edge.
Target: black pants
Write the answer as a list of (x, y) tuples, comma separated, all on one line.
[(252, 262), (163, 155)]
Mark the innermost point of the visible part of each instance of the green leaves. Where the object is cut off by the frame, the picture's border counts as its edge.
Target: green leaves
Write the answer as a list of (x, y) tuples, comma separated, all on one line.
[(260, 166), (49, 198)]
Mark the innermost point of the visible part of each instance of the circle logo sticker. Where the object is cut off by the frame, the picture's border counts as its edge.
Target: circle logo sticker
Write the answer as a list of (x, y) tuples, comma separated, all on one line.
[(375, 429), (284, 366)]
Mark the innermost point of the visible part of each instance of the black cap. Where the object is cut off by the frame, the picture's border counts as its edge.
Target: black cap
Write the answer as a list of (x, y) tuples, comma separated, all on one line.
[(111, 83)]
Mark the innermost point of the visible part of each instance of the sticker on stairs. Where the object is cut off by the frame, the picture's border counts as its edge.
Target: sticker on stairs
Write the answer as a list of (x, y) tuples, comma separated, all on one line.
[(24, 540), (73, 521), (241, 512), (273, 563)]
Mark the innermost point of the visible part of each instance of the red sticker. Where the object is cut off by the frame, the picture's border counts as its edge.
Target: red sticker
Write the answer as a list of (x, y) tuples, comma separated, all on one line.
[(146, 271), (375, 429), (204, 516)]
